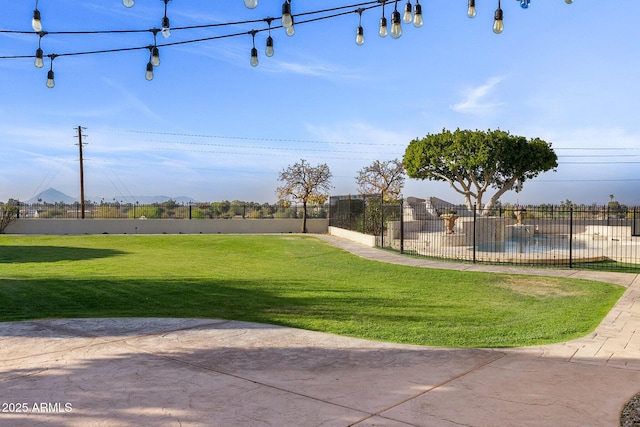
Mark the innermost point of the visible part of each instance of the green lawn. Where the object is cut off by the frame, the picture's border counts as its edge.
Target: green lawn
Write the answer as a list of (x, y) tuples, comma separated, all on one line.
[(291, 280)]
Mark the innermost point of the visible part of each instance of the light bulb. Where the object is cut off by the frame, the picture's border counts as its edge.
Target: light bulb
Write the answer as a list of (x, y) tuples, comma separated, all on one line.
[(166, 28), (39, 62), (149, 73), (471, 12), (407, 17), (383, 27), (292, 29), (568, 1), (498, 26), (417, 17), (269, 52), (254, 57), (155, 56), (360, 36), (396, 27), (286, 19), (128, 3), (524, 4), (36, 23), (50, 82), (251, 4)]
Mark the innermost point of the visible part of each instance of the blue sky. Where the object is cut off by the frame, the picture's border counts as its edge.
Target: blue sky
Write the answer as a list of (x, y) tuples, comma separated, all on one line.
[(212, 127)]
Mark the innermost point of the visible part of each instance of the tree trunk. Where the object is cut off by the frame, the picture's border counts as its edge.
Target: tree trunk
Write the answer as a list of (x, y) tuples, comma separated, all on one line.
[(304, 217), (467, 201), (508, 186), (7, 215)]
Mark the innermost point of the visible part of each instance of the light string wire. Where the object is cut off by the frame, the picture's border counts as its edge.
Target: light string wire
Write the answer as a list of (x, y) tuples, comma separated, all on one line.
[(367, 5)]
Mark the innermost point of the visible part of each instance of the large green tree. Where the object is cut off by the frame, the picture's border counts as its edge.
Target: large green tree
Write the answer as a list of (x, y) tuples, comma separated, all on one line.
[(472, 162), (304, 183)]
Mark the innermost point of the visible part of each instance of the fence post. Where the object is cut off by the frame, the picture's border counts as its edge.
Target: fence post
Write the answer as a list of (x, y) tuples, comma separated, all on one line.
[(401, 226), (571, 237), (381, 220), (365, 205), (189, 210), (475, 217)]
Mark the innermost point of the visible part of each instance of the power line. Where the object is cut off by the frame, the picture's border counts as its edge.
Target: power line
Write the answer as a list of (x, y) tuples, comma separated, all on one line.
[(248, 138)]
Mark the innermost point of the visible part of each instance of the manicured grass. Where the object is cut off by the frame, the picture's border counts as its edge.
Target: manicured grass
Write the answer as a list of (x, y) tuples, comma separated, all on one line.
[(290, 280)]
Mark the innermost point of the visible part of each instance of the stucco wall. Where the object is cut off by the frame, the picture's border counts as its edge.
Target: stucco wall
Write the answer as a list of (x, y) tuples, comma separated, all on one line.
[(164, 226), (354, 236)]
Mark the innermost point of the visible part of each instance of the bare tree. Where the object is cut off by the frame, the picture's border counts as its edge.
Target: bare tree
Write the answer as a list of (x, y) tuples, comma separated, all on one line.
[(386, 178), (304, 183)]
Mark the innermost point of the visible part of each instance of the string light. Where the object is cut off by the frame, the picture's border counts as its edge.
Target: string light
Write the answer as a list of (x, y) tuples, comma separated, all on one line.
[(287, 19), (155, 52), (498, 26), (39, 61), (36, 22), (149, 74), (269, 50), (411, 12), (417, 17), (50, 75), (383, 22), (360, 29), (166, 27), (396, 26), (471, 11), (407, 17), (254, 51), (291, 29), (251, 4), (155, 56)]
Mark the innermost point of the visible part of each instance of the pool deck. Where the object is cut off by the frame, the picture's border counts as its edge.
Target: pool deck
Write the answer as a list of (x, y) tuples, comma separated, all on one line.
[(202, 372)]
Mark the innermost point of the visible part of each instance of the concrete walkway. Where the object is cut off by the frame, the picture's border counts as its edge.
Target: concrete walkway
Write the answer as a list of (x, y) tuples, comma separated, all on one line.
[(198, 372)]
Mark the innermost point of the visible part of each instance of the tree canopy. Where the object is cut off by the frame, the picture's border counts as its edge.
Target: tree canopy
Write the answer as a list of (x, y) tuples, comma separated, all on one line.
[(386, 178), (8, 213), (305, 183), (474, 161)]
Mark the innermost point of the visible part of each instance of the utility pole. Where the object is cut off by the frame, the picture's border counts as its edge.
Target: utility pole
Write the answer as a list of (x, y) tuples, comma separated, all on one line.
[(81, 172)]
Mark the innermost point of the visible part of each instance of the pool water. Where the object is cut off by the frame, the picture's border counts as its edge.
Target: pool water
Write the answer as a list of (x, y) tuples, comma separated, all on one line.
[(533, 244)]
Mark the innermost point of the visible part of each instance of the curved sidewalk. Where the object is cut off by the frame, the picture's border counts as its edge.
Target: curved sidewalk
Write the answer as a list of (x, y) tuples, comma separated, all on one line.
[(201, 372)]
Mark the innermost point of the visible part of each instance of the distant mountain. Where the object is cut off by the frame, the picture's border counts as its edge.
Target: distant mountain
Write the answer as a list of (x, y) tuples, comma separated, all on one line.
[(52, 196)]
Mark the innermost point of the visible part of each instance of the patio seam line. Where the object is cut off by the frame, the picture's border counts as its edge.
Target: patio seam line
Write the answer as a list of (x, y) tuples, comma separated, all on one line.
[(239, 377), (380, 413)]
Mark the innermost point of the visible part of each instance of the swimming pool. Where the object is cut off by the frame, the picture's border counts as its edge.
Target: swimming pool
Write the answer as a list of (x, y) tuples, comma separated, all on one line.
[(532, 244)]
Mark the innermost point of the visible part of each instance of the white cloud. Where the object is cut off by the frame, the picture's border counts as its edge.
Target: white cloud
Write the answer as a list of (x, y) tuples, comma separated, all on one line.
[(306, 69), (477, 99)]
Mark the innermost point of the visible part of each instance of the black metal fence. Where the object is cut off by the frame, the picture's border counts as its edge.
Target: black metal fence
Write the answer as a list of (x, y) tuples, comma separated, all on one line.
[(368, 214), (546, 235), (169, 210)]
